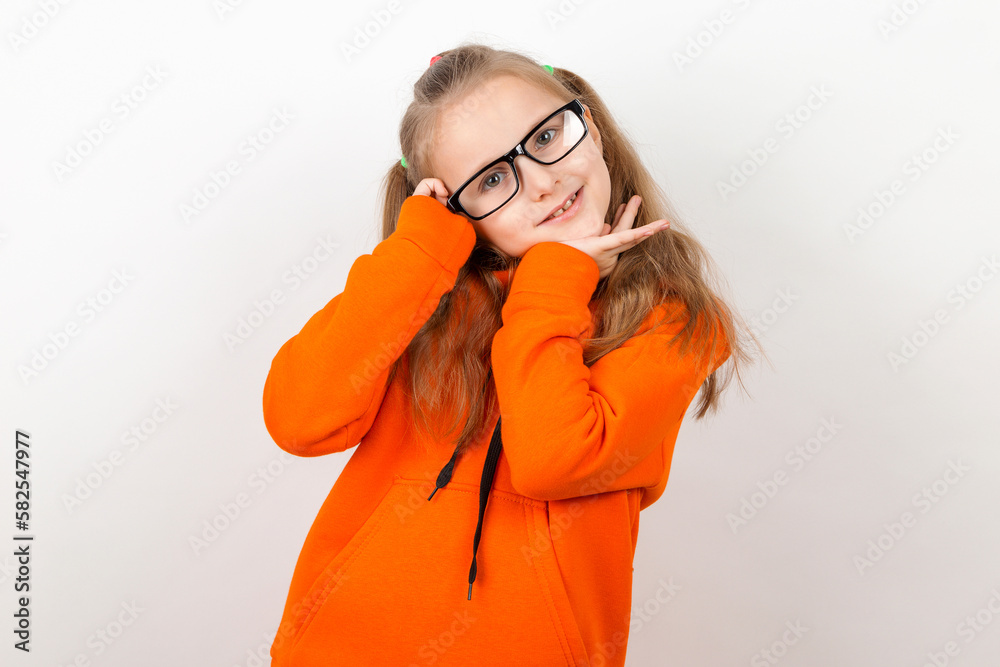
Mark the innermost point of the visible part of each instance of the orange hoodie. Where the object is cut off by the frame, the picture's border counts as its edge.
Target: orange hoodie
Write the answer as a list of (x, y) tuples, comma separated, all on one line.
[(381, 578)]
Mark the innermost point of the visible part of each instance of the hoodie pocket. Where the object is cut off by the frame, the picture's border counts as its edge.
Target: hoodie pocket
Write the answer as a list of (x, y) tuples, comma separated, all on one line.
[(397, 594), (335, 573), (547, 565)]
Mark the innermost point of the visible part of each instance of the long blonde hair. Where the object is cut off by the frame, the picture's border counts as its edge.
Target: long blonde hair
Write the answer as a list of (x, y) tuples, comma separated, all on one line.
[(449, 366)]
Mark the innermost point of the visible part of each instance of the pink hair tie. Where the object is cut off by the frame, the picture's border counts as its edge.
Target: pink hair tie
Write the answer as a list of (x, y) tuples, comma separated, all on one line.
[(434, 59)]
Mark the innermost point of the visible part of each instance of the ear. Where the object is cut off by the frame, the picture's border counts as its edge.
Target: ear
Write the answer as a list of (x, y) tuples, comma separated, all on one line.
[(592, 125)]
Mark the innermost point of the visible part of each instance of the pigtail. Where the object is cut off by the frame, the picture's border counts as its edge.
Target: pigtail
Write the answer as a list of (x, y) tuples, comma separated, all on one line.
[(396, 187)]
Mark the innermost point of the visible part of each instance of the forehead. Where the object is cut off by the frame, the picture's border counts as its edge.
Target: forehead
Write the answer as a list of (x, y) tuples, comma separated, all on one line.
[(485, 124)]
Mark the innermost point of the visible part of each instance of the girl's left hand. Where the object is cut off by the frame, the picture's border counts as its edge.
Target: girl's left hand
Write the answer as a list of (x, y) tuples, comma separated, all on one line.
[(612, 240)]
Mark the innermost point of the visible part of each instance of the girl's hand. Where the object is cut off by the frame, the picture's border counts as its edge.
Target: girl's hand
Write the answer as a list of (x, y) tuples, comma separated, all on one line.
[(612, 240), (433, 187)]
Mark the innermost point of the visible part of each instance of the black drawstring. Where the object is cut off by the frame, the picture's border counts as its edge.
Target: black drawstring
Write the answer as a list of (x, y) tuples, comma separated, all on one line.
[(445, 475), (490, 467), (485, 484)]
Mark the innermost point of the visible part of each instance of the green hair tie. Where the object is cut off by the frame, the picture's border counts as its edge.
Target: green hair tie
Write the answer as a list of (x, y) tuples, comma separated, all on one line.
[(402, 159)]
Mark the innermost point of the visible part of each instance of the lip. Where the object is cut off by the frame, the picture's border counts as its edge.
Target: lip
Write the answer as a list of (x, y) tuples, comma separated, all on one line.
[(568, 213)]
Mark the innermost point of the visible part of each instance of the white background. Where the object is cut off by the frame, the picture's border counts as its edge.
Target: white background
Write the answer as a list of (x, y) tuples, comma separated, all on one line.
[(831, 308)]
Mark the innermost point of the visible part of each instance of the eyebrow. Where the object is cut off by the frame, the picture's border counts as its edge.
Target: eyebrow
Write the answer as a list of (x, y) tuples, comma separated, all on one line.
[(523, 136)]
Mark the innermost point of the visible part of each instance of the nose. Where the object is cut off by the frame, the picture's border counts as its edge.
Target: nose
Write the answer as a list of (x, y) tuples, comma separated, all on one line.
[(536, 179)]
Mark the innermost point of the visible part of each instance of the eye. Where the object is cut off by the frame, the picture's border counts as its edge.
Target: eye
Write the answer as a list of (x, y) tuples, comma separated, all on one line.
[(483, 183), (550, 130)]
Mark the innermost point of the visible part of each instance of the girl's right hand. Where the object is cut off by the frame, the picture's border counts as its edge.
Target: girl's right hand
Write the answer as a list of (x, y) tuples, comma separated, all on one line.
[(433, 187)]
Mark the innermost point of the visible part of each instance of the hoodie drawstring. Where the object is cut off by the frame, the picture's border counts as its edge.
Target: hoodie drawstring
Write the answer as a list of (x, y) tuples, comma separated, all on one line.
[(485, 484), (445, 475)]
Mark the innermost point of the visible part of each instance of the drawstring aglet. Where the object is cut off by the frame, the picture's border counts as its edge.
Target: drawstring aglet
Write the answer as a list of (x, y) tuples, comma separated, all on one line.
[(472, 574)]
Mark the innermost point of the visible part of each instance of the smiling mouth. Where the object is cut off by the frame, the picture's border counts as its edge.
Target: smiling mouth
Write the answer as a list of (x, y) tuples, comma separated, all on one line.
[(569, 207)]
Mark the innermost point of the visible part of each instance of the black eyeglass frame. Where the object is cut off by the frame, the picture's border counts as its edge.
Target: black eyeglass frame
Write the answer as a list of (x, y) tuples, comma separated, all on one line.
[(573, 105)]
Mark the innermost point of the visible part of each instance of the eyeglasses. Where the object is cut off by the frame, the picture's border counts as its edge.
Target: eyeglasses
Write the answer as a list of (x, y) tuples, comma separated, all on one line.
[(496, 184)]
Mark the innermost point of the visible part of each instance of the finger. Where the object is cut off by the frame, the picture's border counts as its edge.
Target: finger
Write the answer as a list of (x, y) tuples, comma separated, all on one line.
[(617, 242), (628, 211), (648, 230), (618, 215), (633, 237), (441, 192)]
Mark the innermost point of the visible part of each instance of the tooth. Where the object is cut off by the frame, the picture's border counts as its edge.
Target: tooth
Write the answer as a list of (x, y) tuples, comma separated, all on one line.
[(564, 208)]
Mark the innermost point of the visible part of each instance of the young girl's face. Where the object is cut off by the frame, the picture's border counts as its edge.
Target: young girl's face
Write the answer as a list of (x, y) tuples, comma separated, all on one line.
[(475, 132)]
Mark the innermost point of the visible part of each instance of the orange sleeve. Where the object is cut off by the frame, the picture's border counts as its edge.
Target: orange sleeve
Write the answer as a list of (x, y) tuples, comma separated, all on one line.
[(326, 383), (569, 430)]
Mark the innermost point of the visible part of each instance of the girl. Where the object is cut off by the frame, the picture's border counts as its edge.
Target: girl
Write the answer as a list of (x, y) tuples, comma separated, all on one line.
[(535, 287)]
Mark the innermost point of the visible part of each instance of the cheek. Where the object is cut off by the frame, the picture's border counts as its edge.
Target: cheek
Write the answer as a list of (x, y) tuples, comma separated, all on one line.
[(514, 222), (590, 163), (497, 231)]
